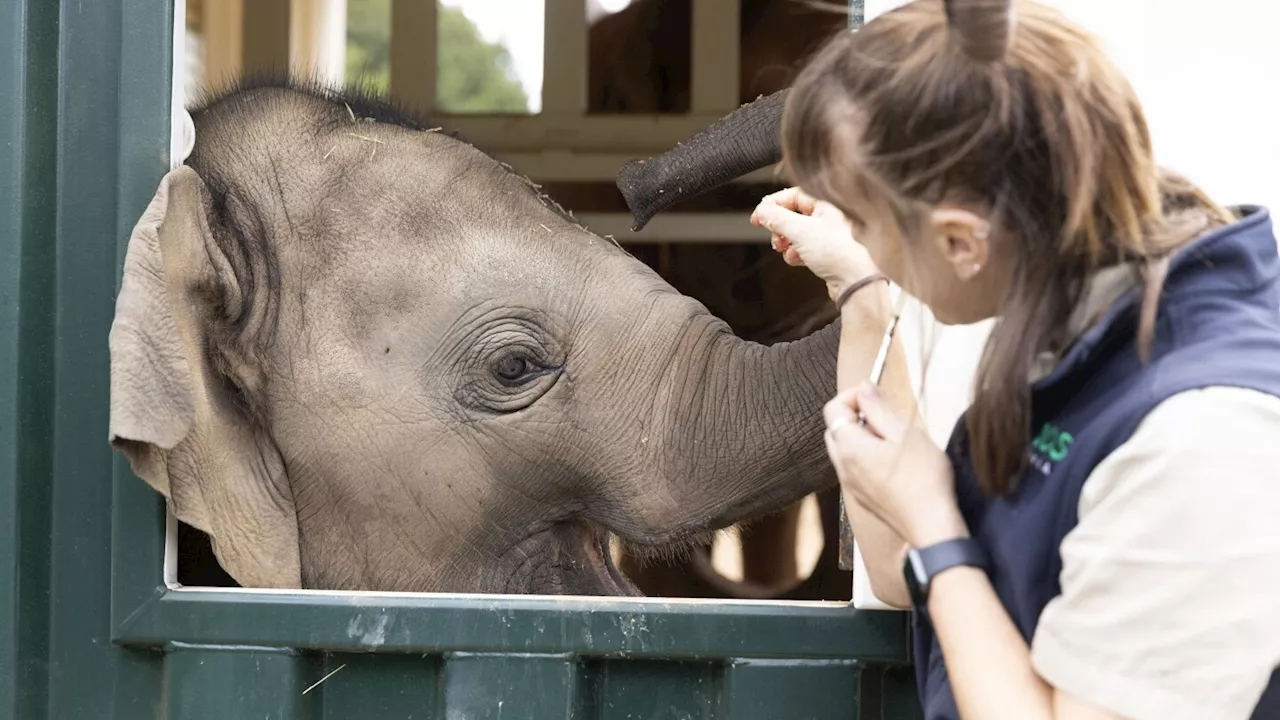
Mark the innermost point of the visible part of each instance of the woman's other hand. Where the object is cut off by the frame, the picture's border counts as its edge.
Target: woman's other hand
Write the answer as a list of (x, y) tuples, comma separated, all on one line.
[(892, 468), (815, 235)]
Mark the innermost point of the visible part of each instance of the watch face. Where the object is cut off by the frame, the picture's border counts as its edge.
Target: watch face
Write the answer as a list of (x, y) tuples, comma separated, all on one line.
[(914, 576)]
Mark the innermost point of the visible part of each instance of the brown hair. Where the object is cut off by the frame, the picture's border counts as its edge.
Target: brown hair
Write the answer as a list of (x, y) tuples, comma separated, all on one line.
[(1009, 106)]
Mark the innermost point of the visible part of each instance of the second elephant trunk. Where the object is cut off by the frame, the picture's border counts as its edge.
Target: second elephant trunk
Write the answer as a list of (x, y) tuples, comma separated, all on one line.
[(742, 434), (743, 141)]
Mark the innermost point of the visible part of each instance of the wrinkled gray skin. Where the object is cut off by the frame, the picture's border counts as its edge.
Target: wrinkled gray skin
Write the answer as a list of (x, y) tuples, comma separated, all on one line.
[(364, 356)]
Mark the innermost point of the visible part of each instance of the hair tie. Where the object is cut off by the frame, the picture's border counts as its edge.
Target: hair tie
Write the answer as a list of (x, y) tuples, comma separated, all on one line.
[(984, 28), (855, 287)]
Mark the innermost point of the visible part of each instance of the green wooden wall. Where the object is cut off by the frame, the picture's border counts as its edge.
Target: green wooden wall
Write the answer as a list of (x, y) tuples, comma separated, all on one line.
[(88, 629)]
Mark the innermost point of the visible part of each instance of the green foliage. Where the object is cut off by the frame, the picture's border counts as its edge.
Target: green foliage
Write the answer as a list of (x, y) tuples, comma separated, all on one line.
[(474, 76), (369, 43)]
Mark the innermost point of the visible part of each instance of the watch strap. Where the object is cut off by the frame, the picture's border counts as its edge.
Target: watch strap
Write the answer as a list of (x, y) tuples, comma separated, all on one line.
[(924, 564), (951, 553)]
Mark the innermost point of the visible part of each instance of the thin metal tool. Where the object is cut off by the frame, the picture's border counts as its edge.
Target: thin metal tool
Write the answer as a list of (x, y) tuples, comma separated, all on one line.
[(877, 372), (882, 357)]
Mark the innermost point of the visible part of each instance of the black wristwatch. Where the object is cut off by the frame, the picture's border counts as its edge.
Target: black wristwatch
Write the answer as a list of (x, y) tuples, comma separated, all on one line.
[(923, 565)]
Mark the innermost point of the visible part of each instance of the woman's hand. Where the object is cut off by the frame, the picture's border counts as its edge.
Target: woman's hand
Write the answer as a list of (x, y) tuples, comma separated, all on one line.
[(892, 468), (813, 234)]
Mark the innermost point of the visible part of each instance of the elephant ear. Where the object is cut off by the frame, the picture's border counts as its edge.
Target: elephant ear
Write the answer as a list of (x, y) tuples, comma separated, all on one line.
[(171, 413)]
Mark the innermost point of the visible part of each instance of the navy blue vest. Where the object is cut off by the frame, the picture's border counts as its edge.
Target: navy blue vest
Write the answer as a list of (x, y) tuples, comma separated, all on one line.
[(1219, 324)]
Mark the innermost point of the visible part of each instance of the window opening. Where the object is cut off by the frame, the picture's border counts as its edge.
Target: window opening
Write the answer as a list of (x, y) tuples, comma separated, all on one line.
[(601, 65)]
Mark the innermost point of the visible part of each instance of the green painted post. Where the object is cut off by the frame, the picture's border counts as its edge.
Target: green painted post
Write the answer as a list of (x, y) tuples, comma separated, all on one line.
[(85, 100), (222, 683), (28, 184)]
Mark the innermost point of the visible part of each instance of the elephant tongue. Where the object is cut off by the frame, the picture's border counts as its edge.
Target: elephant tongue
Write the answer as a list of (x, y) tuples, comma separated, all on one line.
[(602, 563)]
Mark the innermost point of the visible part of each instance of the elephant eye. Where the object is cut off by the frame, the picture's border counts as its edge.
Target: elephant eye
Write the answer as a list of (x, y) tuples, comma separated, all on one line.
[(512, 368)]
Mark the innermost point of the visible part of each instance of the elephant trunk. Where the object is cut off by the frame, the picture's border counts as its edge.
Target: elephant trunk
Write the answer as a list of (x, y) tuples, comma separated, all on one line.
[(743, 141), (740, 435)]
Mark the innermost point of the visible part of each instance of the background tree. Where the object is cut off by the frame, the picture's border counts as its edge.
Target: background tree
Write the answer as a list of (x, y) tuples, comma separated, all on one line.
[(473, 75)]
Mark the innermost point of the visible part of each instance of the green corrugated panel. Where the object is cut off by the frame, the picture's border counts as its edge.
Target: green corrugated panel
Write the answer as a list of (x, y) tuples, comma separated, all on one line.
[(28, 86), (87, 628), (217, 682)]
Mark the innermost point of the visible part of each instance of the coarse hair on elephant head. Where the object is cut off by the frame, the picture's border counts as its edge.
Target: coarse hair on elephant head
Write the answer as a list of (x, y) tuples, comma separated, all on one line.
[(361, 354)]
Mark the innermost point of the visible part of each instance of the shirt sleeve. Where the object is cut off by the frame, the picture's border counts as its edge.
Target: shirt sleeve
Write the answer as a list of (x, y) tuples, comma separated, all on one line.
[(1170, 603)]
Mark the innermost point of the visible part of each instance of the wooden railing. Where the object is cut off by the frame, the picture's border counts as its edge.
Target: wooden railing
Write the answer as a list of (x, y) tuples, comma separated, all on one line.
[(563, 143)]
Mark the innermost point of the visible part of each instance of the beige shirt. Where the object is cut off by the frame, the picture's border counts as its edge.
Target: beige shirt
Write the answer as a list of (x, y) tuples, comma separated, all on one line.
[(1170, 604)]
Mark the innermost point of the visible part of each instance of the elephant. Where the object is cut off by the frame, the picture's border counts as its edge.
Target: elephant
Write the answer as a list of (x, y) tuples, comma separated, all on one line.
[(640, 62), (361, 354)]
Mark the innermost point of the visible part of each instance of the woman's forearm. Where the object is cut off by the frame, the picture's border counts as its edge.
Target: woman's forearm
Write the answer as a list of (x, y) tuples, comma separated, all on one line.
[(987, 660), (863, 321)]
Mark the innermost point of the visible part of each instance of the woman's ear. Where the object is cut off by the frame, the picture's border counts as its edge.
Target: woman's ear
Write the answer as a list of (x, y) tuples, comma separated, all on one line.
[(963, 239)]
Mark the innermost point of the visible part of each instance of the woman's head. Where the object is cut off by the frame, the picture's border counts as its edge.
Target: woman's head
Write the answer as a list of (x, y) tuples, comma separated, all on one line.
[(990, 157), (974, 133)]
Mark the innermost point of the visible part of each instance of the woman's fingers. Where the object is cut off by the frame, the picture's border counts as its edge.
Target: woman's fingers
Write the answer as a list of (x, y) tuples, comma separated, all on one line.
[(790, 255), (794, 199), (779, 220), (882, 420), (857, 417), (841, 407), (852, 449)]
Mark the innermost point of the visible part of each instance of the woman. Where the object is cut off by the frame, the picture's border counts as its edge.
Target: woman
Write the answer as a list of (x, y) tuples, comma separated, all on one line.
[(1101, 538)]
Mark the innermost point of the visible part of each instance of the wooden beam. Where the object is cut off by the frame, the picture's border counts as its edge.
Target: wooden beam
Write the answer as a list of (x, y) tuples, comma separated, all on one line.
[(266, 36), (414, 53), (222, 41), (715, 56), (598, 167), (564, 58), (677, 228), (595, 133), (318, 39)]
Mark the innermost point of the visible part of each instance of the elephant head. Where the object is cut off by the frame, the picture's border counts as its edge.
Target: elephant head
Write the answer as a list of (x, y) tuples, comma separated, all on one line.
[(362, 354)]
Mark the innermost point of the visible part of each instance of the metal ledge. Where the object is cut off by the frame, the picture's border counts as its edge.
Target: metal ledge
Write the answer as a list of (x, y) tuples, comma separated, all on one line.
[(584, 626)]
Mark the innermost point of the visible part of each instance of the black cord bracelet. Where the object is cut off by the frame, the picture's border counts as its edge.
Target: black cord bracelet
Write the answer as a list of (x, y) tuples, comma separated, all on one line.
[(855, 287)]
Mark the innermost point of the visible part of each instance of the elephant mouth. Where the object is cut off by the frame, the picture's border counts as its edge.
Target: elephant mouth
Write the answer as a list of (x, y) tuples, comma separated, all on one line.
[(611, 579)]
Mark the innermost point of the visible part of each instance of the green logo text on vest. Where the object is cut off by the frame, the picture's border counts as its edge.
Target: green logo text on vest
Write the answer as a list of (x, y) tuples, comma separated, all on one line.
[(1049, 446)]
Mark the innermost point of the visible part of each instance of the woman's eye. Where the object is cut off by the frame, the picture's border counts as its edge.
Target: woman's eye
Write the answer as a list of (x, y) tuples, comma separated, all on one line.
[(512, 367)]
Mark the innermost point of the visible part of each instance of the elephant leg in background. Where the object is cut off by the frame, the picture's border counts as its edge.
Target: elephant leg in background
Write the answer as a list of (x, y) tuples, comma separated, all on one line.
[(694, 576), (769, 549), (769, 566), (673, 576), (827, 581)]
